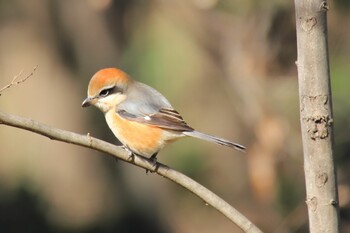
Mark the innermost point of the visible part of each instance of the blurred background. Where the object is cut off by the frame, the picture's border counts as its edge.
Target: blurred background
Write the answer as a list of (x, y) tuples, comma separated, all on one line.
[(227, 66)]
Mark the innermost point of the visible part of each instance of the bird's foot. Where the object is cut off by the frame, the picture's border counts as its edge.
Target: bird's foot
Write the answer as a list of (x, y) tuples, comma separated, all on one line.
[(153, 160), (131, 154)]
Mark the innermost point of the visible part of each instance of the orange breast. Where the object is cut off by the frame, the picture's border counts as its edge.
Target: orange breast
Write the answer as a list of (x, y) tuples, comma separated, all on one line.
[(140, 138)]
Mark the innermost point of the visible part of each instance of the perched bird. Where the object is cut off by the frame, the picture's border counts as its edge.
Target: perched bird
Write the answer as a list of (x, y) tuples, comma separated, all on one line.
[(139, 116)]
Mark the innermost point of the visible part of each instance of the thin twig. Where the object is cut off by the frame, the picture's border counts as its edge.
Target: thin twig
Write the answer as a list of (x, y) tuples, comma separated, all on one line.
[(15, 82), (117, 151)]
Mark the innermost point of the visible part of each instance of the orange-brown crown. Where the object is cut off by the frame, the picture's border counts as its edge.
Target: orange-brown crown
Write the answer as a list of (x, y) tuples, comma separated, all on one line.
[(107, 77)]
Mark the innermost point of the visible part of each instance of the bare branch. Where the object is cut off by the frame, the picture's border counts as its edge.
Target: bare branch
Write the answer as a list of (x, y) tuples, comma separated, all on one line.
[(316, 115), (16, 82), (90, 142)]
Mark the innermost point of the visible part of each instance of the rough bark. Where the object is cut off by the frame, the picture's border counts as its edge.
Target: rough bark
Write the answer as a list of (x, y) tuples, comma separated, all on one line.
[(316, 115)]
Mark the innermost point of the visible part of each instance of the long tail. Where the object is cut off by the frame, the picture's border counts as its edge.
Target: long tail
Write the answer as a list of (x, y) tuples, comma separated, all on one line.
[(214, 139)]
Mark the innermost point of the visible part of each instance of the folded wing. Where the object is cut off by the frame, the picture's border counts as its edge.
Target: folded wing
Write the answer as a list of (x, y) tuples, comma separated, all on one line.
[(148, 106)]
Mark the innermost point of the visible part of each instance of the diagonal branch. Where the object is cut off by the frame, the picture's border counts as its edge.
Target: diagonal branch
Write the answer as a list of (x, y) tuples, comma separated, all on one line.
[(142, 162)]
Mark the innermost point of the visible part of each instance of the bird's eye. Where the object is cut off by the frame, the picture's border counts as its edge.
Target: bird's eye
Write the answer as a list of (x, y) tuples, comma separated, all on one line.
[(106, 92)]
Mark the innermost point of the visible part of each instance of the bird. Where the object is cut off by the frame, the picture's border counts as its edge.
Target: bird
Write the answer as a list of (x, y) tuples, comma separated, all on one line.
[(140, 117)]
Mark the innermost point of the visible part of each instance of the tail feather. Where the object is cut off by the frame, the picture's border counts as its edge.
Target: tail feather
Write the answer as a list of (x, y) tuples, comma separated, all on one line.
[(215, 139)]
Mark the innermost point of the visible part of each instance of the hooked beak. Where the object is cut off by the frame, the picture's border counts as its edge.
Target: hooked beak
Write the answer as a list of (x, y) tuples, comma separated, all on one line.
[(87, 102)]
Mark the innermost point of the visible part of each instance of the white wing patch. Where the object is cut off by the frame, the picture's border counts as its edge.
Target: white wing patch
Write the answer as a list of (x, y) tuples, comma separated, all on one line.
[(147, 118)]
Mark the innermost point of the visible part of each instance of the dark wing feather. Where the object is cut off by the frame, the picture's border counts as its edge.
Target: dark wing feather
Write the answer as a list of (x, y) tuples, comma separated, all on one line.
[(165, 118)]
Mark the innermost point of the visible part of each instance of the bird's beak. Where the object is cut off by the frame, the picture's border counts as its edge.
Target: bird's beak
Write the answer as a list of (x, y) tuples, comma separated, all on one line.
[(87, 102)]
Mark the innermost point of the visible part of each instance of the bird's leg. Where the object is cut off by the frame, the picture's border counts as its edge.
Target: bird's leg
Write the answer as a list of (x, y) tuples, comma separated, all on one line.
[(131, 154), (153, 158)]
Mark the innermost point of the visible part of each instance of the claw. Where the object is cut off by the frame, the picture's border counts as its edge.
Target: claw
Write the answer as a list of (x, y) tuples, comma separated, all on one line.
[(131, 157), (131, 154), (153, 159)]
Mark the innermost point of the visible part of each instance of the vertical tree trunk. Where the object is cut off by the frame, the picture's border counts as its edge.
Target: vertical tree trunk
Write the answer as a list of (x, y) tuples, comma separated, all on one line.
[(316, 115)]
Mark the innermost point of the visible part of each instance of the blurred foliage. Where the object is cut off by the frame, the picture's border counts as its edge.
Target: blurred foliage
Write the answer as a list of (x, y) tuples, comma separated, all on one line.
[(24, 212)]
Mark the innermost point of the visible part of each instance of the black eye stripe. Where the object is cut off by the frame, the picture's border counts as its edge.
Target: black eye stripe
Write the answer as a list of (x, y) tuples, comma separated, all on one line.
[(106, 91), (110, 90)]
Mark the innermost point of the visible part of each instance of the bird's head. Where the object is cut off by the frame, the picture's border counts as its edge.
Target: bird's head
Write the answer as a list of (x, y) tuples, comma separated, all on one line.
[(107, 89)]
